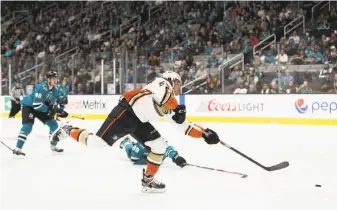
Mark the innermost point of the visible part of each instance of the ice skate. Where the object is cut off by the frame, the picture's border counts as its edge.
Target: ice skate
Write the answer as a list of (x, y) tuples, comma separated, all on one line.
[(61, 132), (124, 142), (18, 152), (56, 150), (151, 185)]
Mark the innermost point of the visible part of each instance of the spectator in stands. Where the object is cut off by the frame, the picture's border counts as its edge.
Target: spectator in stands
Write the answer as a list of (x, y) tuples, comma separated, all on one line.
[(200, 72), (304, 88), (300, 58), (200, 49), (153, 61), (252, 89), (212, 61), (187, 78), (290, 88), (152, 74), (89, 88), (333, 54), (326, 72), (241, 78), (332, 15), (216, 83), (265, 88), (288, 78), (189, 61), (275, 87), (291, 48), (210, 86), (251, 78), (284, 14), (241, 89), (225, 58), (281, 58), (295, 38), (80, 89), (209, 48), (235, 73), (253, 40), (315, 56), (326, 78), (267, 58), (259, 58)]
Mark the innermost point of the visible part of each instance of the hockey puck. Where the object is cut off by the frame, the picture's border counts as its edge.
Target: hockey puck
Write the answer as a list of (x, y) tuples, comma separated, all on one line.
[(318, 185)]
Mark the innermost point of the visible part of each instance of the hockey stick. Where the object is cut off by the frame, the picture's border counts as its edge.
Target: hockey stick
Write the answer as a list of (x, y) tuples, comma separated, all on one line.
[(270, 168), (80, 118), (11, 148), (7, 146), (72, 116), (220, 170)]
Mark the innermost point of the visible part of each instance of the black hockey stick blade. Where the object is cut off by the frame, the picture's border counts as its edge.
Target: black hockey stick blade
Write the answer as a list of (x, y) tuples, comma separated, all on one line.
[(271, 168), (279, 166)]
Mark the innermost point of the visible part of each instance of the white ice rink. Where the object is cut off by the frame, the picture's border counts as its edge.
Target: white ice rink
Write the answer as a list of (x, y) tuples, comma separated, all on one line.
[(103, 179)]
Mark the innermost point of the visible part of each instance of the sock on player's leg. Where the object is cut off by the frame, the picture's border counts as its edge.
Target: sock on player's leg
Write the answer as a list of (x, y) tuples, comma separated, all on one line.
[(21, 140), (22, 137), (153, 163), (84, 137)]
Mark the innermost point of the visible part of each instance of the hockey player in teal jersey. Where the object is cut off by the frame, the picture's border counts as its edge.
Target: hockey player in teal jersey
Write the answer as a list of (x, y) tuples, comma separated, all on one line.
[(63, 92), (137, 153), (41, 104)]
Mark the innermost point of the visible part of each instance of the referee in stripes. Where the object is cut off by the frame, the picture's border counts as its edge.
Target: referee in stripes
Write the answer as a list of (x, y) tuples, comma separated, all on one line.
[(15, 94)]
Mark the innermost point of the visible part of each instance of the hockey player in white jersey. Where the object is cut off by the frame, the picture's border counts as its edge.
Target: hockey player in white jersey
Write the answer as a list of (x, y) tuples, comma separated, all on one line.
[(133, 114)]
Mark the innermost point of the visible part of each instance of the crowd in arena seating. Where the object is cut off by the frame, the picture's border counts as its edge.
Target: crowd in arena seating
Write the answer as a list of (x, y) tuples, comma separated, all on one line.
[(191, 38)]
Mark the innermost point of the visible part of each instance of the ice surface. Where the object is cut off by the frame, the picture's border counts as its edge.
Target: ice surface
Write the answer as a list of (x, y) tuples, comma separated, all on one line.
[(104, 179)]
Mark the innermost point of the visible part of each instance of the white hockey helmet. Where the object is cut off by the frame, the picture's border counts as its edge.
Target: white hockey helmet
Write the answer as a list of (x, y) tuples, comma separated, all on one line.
[(171, 76)]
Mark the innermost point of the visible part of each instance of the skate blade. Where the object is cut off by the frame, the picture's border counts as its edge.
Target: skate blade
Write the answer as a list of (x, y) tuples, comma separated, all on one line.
[(153, 190), (54, 153), (17, 157)]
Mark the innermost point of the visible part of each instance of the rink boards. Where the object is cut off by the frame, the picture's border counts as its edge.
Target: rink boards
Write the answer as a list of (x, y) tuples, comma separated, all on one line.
[(256, 109)]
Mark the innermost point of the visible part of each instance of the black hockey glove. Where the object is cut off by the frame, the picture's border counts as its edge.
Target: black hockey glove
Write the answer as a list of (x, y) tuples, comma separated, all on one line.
[(210, 136), (179, 114), (63, 101), (180, 161), (48, 102), (54, 109), (62, 114)]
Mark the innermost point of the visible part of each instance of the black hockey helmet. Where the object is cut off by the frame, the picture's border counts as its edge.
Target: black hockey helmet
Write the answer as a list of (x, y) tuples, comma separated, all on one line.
[(51, 74)]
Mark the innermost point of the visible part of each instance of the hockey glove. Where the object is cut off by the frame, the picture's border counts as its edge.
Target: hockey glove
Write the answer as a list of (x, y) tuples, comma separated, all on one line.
[(48, 102), (179, 114), (210, 136), (54, 109), (180, 161), (62, 114), (63, 101)]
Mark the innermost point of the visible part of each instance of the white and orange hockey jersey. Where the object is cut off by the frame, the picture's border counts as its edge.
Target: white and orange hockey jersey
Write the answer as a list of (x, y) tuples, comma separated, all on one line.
[(155, 101)]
